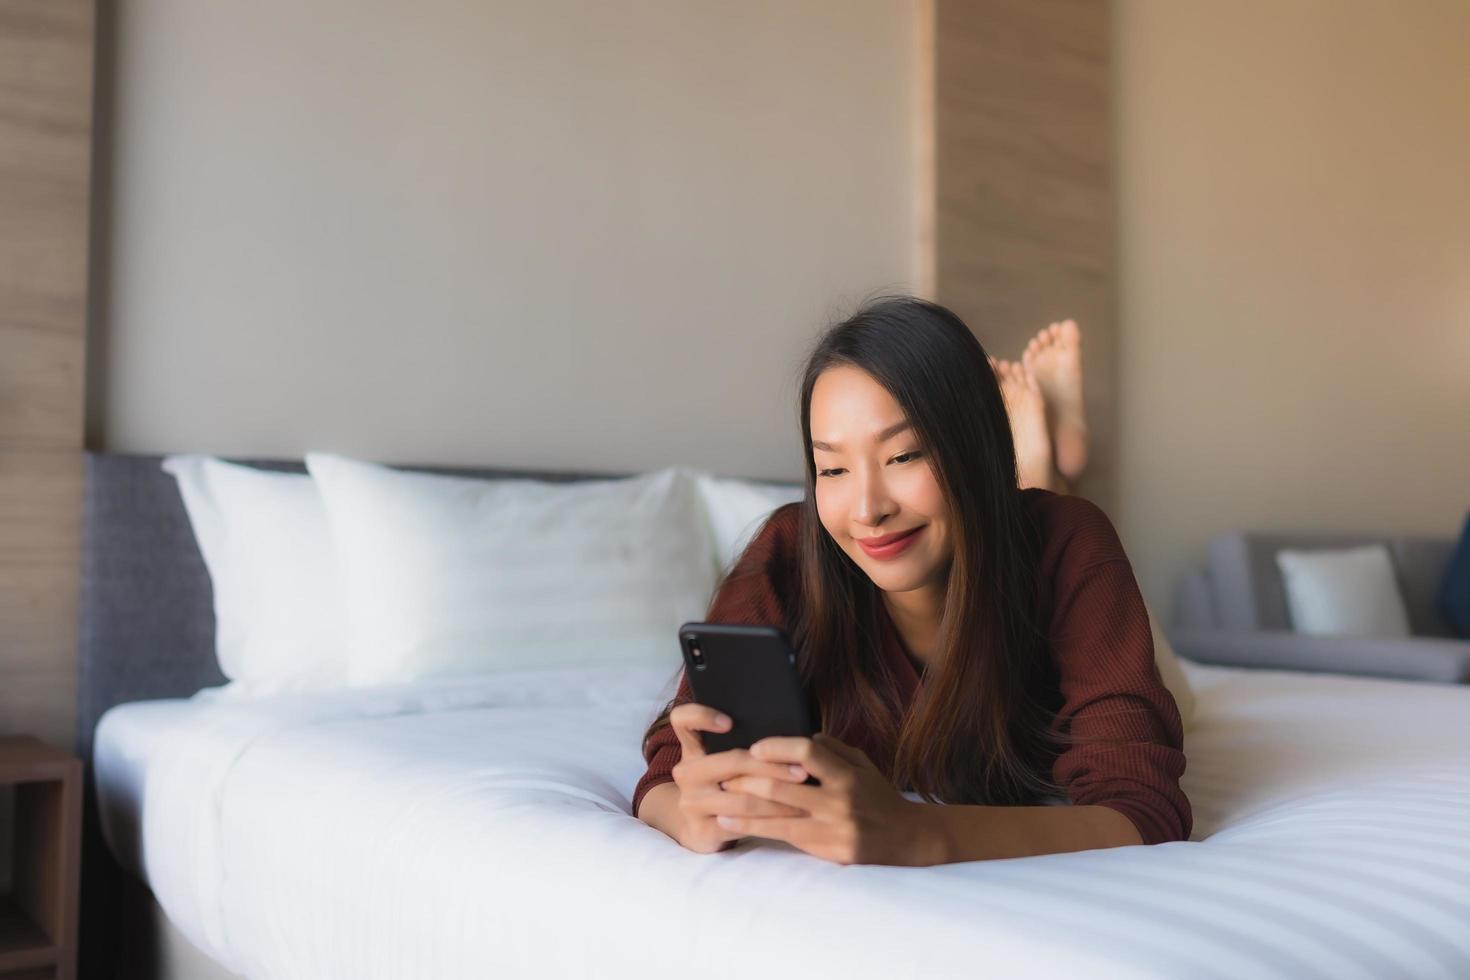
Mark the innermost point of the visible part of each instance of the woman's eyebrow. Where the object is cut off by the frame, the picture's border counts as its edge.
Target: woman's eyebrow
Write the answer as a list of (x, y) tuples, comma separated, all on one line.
[(883, 436)]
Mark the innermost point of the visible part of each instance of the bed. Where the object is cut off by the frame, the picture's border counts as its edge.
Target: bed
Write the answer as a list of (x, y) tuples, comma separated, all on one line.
[(480, 827)]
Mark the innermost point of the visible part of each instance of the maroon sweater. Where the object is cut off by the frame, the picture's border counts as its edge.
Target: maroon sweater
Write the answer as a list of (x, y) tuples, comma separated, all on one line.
[(1108, 687)]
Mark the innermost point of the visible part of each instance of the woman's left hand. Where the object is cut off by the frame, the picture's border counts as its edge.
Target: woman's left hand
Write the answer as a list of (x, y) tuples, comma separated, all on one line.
[(855, 817)]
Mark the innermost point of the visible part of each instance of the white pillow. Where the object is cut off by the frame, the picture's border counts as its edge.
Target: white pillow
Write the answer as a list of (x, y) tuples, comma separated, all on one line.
[(264, 538), (1348, 591), (737, 508), (449, 576)]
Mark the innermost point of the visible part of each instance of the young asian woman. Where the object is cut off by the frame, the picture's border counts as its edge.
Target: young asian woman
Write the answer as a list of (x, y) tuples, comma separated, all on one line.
[(978, 645)]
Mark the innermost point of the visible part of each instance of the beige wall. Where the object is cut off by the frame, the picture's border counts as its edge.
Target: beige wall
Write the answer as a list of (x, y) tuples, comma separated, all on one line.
[(561, 234), (309, 240), (1294, 193)]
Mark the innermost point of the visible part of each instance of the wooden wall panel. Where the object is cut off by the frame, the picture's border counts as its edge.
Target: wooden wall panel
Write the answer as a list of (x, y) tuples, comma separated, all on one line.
[(40, 523), (46, 59), (1023, 212), (41, 369)]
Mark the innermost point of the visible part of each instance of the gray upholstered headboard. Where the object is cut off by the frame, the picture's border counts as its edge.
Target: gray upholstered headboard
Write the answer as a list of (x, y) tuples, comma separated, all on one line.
[(146, 617)]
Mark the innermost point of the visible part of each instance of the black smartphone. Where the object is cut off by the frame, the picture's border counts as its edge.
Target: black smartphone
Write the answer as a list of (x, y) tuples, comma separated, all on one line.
[(749, 673)]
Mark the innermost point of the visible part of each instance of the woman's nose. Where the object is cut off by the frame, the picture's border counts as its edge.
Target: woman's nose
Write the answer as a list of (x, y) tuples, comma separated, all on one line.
[(873, 504)]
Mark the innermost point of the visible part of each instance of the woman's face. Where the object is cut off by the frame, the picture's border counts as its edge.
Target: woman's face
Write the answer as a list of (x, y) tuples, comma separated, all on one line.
[(874, 481)]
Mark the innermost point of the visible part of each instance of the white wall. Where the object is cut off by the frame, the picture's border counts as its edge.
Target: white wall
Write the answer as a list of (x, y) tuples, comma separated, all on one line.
[(1294, 201), (562, 234)]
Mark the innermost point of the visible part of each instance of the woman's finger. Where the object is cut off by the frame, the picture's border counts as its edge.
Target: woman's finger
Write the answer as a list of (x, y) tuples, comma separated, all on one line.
[(714, 803), (790, 829), (814, 756), (739, 762), (689, 719), (808, 799)]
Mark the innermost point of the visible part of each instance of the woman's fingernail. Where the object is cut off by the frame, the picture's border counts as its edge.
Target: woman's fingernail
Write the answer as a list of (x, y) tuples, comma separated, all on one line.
[(726, 821), (798, 772), (722, 720)]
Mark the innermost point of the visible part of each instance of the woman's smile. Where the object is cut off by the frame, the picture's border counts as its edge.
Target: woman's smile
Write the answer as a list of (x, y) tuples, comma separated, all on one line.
[(889, 546)]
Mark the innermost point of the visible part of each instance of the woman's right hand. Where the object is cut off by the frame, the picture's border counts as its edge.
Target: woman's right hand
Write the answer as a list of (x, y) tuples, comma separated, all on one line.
[(699, 776)]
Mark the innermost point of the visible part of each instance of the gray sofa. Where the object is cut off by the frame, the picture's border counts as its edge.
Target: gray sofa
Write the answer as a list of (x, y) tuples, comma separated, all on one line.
[(1234, 612)]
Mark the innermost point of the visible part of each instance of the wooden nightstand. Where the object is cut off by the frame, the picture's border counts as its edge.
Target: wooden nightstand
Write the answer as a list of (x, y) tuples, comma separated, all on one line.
[(38, 918)]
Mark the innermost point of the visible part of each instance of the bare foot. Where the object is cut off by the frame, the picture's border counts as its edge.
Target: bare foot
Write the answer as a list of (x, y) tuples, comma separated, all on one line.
[(1054, 357), (1027, 409)]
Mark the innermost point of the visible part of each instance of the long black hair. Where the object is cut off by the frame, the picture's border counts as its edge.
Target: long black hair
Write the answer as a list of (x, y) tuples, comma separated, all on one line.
[(979, 733)]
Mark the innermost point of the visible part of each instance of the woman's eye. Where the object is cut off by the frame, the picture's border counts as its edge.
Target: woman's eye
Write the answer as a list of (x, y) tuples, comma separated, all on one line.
[(829, 472), (905, 457)]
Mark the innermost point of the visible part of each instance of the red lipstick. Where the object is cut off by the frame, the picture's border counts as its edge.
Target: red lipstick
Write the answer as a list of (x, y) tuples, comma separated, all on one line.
[(890, 545)]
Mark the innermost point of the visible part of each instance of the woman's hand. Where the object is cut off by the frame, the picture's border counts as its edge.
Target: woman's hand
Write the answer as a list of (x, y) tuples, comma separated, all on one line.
[(855, 817), (701, 778)]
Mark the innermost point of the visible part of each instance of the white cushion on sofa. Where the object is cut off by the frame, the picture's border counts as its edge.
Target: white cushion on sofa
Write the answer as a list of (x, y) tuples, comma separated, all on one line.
[(278, 620), (1345, 591), (447, 576)]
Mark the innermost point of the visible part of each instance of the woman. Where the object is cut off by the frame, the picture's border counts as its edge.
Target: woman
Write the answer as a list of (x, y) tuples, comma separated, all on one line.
[(984, 645)]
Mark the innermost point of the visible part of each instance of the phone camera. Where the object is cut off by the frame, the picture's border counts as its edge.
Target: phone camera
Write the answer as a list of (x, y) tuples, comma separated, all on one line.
[(696, 655)]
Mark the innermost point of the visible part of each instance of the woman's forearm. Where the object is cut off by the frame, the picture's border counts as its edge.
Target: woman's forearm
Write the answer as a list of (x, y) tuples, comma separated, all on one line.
[(946, 833), (659, 808), (950, 833)]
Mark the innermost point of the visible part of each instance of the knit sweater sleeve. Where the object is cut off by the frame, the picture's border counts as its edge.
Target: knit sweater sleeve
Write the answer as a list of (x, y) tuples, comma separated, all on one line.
[(1125, 743), (751, 594)]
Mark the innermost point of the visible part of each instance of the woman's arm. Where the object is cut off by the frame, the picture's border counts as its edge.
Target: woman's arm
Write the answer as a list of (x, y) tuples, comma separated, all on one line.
[(686, 806), (660, 809), (1118, 728), (949, 833), (854, 815)]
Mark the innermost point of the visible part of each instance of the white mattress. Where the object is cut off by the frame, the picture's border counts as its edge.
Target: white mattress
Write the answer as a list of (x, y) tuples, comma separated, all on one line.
[(480, 828)]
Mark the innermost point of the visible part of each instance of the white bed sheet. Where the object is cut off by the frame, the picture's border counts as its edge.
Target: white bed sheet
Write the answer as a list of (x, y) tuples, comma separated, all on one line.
[(480, 828)]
